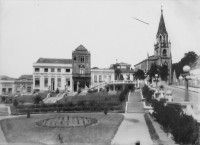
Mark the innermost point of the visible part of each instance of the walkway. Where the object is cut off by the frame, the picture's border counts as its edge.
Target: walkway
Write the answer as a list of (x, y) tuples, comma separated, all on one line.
[(133, 128), (197, 90)]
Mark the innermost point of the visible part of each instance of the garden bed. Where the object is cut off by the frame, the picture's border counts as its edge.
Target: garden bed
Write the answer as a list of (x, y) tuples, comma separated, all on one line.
[(25, 130)]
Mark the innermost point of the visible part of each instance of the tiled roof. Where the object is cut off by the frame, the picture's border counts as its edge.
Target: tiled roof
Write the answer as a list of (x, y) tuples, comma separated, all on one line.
[(54, 60), (26, 77), (81, 49), (2, 77)]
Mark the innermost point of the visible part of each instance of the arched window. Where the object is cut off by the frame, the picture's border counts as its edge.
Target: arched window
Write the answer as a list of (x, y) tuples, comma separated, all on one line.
[(160, 38), (164, 52)]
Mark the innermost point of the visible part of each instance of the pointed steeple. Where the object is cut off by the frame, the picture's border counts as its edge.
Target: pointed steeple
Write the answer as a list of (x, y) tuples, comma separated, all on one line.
[(161, 28)]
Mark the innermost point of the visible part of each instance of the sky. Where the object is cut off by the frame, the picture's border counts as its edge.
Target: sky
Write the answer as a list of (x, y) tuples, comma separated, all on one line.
[(30, 29)]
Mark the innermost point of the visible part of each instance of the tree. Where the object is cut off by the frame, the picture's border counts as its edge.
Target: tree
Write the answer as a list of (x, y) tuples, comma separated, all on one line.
[(153, 70), (37, 99), (188, 59), (15, 102), (164, 72), (139, 74)]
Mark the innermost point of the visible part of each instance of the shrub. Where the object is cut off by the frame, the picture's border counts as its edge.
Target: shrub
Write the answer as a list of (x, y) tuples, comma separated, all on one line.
[(57, 91), (37, 99), (145, 91), (184, 128), (15, 102), (123, 94)]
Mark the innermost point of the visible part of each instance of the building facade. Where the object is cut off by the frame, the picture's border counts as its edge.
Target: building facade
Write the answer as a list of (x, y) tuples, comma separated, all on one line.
[(50, 74), (99, 76), (162, 51), (24, 84), (81, 68), (7, 86)]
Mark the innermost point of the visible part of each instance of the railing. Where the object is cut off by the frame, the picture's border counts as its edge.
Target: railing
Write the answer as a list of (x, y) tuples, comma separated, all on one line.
[(121, 82)]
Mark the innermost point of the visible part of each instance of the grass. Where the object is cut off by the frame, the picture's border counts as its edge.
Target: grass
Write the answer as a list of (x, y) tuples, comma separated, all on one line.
[(24, 130), (29, 98)]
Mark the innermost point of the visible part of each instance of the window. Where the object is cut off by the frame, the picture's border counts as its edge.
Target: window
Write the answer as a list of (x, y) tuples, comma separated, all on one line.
[(9, 90), (37, 69), (74, 58), (29, 89), (3, 90), (164, 52), (109, 79), (100, 78), (52, 70), (59, 82), (58, 70), (95, 78), (82, 58), (18, 88), (67, 70), (81, 71), (45, 69), (45, 82), (37, 82)]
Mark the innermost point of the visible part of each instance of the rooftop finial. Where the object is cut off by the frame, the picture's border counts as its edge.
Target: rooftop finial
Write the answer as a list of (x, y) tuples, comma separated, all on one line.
[(161, 9)]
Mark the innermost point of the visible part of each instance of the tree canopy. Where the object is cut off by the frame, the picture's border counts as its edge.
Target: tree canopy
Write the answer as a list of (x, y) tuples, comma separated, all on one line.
[(139, 74), (188, 59)]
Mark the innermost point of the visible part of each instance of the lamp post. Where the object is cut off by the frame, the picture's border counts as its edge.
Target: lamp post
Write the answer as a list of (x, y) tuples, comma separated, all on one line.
[(186, 77), (156, 77)]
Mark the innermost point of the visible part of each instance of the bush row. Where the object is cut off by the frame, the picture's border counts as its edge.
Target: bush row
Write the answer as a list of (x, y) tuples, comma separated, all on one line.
[(184, 128), (147, 93)]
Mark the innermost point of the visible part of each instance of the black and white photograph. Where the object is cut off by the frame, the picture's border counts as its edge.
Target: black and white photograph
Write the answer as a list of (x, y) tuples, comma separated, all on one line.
[(99, 72)]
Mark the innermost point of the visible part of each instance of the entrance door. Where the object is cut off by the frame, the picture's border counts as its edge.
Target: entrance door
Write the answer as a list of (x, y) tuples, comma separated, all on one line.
[(52, 84)]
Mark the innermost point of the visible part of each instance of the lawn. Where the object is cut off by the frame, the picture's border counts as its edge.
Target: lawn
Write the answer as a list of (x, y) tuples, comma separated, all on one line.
[(25, 130)]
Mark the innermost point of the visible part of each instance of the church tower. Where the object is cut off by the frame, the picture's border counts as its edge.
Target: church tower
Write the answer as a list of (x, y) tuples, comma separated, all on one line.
[(162, 48)]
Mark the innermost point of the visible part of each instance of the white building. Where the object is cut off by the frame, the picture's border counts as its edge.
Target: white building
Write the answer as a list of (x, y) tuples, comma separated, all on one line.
[(99, 76), (7, 86), (50, 74)]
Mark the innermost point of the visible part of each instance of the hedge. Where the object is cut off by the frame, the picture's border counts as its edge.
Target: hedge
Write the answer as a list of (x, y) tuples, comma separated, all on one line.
[(184, 128)]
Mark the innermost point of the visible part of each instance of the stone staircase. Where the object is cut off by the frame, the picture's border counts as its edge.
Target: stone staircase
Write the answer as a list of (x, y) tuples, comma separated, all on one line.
[(134, 104), (54, 99), (4, 110)]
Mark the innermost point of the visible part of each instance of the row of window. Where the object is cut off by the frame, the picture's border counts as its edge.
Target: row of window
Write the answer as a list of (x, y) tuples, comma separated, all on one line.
[(81, 58), (100, 78), (46, 82), (52, 70)]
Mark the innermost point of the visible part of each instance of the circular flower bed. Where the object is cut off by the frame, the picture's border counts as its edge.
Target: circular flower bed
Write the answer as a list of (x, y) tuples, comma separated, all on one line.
[(67, 121)]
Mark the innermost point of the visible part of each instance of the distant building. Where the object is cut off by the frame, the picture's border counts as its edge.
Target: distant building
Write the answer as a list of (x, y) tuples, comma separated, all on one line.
[(162, 51), (7, 86), (81, 68), (24, 84), (99, 76), (50, 74)]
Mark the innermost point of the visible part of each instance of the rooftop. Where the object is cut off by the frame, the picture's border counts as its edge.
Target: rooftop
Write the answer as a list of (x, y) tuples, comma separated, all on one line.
[(54, 60)]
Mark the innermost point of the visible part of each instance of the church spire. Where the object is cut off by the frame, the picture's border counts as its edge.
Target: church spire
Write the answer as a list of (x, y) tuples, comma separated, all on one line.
[(161, 28)]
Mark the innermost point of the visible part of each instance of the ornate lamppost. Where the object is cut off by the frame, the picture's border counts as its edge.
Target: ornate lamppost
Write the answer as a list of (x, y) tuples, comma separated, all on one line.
[(186, 77), (156, 79)]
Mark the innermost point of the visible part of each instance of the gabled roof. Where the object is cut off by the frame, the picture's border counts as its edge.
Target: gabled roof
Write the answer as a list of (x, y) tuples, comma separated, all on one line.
[(81, 50), (2, 77), (25, 77), (161, 28), (54, 60)]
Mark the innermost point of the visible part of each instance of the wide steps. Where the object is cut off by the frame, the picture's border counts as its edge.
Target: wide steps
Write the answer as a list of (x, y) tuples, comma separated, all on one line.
[(135, 107), (4, 111)]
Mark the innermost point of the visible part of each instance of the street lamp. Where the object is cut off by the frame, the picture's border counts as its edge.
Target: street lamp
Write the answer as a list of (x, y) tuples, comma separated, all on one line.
[(156, 78), (186, 77)]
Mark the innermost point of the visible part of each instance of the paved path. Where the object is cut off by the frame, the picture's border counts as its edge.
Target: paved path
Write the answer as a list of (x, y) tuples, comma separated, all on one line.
[(133, 128)]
